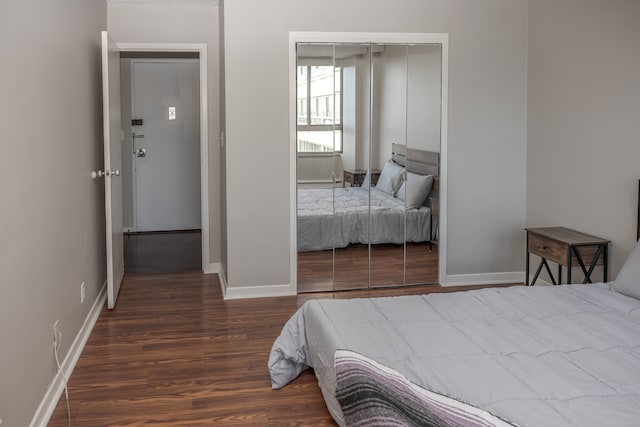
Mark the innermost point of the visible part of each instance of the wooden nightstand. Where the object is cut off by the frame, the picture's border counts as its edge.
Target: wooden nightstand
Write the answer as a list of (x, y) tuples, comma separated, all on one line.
[(355, 177), (567, 248)]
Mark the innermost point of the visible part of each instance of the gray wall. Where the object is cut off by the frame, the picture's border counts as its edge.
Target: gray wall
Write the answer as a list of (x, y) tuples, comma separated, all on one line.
[(189, 23), (583, 147), (487, 125), (51, 211)]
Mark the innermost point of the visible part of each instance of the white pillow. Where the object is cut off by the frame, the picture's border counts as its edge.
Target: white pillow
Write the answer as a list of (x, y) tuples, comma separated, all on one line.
[(367, 181), (390, 178), (415, 190), (628, 280)]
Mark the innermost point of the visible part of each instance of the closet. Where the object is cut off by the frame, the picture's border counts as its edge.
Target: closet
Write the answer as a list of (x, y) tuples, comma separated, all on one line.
[(368, 143)]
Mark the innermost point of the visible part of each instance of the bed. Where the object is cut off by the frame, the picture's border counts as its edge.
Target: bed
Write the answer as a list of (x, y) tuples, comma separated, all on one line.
[(320, 228), (530, 356), (337, 218)]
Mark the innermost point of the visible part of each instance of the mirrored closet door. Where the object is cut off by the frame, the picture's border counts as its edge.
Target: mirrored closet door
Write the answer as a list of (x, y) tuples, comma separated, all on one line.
[(351, 196), (317, 170), (424, 101), (388, 130), (368, 143)]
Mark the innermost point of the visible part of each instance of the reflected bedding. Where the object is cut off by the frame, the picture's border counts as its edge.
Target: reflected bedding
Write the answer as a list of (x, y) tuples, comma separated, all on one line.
[(319, 228)]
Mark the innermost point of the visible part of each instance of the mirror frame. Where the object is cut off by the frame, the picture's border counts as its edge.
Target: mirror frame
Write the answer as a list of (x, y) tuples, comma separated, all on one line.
[(374, 38)]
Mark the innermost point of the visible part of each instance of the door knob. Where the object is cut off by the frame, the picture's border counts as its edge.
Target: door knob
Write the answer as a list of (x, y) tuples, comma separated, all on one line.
[(140, 152)]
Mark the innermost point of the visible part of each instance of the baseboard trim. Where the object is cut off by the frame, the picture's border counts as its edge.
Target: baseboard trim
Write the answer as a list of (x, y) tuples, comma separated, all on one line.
[(212, 268), (223, 282), (484, 278), (231, 292), (50, 400), (540, 281)]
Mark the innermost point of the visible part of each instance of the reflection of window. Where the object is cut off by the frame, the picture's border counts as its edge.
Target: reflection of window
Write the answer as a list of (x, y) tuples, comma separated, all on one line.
[(319, 109)]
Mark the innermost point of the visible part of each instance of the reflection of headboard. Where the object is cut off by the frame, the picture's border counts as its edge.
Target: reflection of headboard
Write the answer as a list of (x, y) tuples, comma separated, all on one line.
[(418, 161)]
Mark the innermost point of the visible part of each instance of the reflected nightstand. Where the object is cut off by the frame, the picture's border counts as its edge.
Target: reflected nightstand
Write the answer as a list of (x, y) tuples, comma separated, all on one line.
[(355, 177)]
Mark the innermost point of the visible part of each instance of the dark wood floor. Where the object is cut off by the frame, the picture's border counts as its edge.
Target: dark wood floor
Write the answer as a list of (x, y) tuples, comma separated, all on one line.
[(163, 252), (173, 352), (316, 271)]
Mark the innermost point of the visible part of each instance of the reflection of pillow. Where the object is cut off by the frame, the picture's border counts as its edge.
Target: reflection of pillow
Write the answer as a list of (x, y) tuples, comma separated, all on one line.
[(367, 181), (415, 190), (628, 280), (390, 178)]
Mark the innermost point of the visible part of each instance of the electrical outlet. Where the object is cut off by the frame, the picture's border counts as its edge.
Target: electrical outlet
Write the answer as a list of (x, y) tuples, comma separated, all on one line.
[(55, 331), (82, 293)]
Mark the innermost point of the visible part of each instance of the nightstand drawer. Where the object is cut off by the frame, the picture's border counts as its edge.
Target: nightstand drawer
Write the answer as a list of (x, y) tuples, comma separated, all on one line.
[(556, 251), (548, 249)]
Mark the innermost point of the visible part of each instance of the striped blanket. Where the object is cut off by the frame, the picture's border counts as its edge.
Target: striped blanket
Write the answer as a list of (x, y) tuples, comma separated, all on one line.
[(371, 394)]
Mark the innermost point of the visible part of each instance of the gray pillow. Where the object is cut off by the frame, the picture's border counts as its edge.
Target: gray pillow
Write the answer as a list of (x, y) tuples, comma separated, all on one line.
[(628, 280), (390, 178), (415, 189)]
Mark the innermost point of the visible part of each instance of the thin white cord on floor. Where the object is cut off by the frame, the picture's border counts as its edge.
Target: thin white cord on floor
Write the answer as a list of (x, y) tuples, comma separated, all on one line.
[(56, 344)]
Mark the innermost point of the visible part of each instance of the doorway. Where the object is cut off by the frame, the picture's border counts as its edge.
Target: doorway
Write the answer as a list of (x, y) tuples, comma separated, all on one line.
[(114, 135), (161, 148)]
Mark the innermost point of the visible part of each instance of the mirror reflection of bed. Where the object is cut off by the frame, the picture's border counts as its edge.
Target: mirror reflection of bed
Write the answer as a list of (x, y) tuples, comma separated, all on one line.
[(368, 163), (336, 224)]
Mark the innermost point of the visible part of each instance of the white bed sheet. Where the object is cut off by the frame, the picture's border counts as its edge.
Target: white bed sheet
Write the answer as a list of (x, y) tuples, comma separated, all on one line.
[(536, 356), (320, 228)]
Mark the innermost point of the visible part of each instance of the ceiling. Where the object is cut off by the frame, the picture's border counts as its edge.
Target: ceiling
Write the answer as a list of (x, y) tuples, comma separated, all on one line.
[(169, 2)]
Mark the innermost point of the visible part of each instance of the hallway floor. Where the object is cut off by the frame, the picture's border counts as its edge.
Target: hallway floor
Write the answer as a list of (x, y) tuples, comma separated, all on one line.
[(163, 252)]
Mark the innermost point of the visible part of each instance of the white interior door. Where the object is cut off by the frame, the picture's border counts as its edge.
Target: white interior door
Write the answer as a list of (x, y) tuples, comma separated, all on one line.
[(166, 144), (112, 166)]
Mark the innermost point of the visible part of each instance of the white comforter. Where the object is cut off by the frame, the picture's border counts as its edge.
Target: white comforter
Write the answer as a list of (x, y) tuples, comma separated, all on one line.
[(320, 227), (536, 356)]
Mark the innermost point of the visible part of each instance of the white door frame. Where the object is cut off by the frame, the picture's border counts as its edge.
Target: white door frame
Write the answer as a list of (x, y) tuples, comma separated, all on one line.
[(201, 49), (379, 38)]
